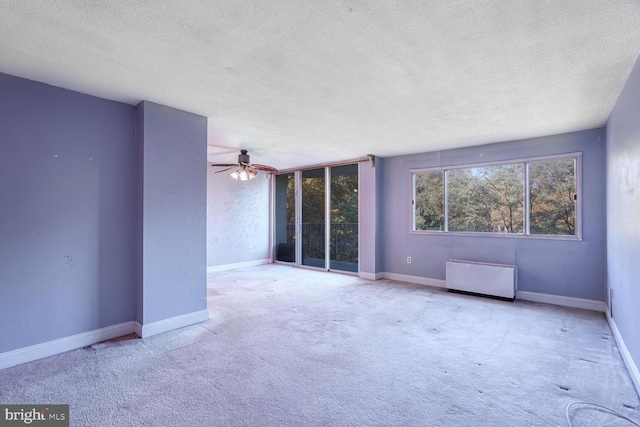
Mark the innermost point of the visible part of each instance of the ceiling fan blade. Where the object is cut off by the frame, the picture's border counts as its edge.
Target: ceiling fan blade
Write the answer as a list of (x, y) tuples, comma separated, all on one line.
[(264, 168), (244, 163), (224, 165), (224, 170)]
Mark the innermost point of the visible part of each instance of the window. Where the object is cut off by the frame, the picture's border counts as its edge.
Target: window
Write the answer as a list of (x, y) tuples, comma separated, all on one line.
[(487, 199), (429, 201), (552, 194), (531, 197)]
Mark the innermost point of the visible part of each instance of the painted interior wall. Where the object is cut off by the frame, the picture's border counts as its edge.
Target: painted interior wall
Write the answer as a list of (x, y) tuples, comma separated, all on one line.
[(379, 248), (67, 208), (369, 220), (623, 211), (557, 267), (173, 227), (237, 219), (102, 214)]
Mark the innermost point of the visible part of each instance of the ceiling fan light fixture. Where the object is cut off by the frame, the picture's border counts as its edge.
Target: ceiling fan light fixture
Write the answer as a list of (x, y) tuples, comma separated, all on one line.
[(244, 170), (243, 174)]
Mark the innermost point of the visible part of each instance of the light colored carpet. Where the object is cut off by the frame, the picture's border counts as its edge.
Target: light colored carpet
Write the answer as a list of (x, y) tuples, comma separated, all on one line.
[(292, 347)]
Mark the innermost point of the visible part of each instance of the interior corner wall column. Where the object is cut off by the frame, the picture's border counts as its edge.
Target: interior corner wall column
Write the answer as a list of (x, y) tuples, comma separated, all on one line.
[(369, 218), (623, 203), (171, 218)]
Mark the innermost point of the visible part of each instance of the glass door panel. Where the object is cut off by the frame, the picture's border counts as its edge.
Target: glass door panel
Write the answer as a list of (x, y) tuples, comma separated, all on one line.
[(313, 217), (285, 217), (343, 233)]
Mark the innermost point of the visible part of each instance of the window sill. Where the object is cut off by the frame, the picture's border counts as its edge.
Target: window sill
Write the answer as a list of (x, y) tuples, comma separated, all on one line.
[(497, 235)]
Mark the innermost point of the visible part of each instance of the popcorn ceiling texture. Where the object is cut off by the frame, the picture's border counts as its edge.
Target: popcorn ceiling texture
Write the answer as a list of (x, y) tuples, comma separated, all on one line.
[(305, 82)]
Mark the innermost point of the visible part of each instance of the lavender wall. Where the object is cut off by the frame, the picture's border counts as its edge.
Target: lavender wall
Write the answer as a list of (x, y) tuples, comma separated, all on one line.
[(380, 249), (368, 218), (567, 268), (237, 219), (623, 211), (369, 221), (139, 210), (67, 208), (102, 213), (173, 145)]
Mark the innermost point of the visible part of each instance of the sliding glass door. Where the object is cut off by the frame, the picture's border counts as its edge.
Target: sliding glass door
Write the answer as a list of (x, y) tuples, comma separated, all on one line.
[(313, 217), (343, 236), (316, 218), (285, 217)]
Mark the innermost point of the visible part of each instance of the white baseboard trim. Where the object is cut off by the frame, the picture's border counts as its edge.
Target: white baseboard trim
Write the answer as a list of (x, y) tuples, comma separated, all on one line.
[(634, 373), (370, 276), (436, 283), (587, 304), (165, 325), (225, 267), (61, 345), (50, 348)]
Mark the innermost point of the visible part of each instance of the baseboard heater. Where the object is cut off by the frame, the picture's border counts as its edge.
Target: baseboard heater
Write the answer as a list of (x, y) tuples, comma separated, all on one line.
[(497, 280)]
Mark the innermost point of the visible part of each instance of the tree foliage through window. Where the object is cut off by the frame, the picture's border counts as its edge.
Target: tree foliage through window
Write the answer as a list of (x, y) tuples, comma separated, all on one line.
[(487, 199), (491, 199), (552, 189)]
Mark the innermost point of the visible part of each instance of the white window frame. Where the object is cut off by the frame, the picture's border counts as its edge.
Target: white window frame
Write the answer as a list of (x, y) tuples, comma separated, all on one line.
[(576, 156)]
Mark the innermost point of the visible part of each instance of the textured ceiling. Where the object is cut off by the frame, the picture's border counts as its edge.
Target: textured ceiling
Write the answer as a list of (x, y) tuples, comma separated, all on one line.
[(304, 82)]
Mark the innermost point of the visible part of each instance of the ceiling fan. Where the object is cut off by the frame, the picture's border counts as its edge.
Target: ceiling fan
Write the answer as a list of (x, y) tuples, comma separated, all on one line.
[(245, 170)]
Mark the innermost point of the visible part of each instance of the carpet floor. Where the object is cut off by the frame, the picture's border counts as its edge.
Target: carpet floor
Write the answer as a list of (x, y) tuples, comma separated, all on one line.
[(293, 347)]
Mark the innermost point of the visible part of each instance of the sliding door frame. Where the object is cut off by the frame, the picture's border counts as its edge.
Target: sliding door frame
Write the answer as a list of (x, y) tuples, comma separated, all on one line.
[(298, 217)]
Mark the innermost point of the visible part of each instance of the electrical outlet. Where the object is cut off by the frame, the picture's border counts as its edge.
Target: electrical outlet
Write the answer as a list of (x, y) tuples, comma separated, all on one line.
[(408, 260)]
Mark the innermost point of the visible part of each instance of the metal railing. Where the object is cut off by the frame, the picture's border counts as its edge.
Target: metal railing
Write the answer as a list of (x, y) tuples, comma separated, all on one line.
[(343, 240)]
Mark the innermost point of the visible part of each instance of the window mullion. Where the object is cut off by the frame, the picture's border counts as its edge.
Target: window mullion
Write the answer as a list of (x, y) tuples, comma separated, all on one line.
[(446, 201), (577, 176), (413, 202), (527, 203)]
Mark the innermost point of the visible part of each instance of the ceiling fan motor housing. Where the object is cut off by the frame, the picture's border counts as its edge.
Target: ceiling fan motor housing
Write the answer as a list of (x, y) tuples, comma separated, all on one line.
[(243, 157)]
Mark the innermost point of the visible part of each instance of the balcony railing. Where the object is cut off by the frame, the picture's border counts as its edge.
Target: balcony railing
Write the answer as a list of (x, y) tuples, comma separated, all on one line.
[(343, 240)]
